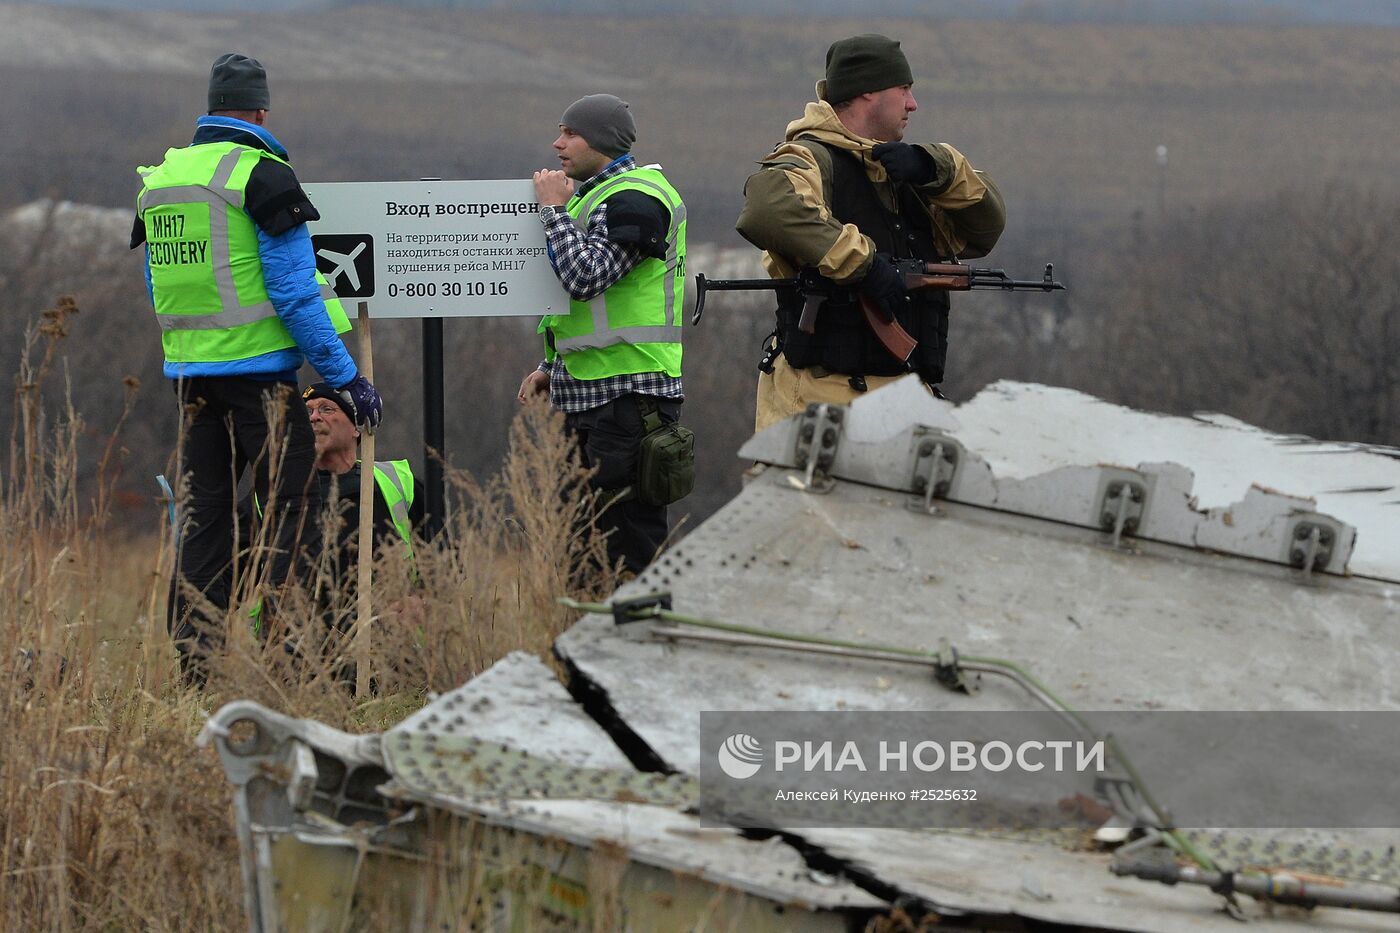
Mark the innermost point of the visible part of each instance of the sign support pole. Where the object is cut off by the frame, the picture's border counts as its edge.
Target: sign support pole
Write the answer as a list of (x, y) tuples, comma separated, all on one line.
[(434, 431)]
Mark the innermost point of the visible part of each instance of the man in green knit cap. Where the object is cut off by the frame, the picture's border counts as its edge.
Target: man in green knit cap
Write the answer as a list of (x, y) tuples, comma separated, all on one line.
[(842, 197)]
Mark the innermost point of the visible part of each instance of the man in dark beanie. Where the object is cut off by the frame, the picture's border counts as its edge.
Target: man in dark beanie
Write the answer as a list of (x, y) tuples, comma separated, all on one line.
[(842, 197), (616, 236), (398, 500), (398, 510), (240, 307)]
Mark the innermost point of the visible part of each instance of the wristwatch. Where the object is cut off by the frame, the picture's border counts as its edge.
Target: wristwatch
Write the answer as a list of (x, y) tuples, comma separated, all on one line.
[(548, 212)]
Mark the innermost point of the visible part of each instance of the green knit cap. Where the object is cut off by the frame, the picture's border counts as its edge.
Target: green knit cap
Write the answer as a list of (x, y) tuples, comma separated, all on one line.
[(865, 63)]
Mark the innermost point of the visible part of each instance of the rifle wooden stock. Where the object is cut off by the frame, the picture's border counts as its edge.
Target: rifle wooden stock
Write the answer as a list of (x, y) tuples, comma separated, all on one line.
[(945, 282), (957, 269), (960, 277), (887, 330)]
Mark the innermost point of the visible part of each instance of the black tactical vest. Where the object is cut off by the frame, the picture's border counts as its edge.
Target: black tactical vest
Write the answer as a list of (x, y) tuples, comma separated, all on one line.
[(842, 341)]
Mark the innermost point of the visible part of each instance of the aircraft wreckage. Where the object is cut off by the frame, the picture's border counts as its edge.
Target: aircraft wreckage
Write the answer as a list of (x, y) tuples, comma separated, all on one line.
[(1031, 548)]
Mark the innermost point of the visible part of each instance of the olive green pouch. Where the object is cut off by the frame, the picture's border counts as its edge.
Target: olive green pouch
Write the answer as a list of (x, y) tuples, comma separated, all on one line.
[(666, 464)]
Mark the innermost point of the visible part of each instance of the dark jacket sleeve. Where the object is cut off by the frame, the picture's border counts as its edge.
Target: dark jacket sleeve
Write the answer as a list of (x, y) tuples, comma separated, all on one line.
[(640, 220), (275, 199)]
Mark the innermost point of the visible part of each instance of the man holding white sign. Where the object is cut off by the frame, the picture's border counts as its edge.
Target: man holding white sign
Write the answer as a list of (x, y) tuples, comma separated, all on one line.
[(613, 363)]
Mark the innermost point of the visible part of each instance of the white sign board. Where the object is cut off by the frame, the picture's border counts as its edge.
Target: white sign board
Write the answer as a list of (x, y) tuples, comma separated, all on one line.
[(435, 248)]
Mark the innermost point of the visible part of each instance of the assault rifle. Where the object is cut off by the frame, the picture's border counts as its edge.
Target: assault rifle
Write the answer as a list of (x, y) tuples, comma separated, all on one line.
[(946, 276)]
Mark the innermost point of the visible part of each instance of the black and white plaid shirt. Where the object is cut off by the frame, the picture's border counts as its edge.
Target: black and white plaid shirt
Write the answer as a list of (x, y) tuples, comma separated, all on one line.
[(588, 264)]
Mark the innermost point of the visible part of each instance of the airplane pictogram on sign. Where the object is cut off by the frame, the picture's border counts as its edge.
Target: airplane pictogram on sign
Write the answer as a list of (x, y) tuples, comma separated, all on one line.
[(347, 262)]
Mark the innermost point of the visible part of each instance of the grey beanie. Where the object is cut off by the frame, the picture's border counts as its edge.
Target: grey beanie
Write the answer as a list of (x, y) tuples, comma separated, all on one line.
[(865, 63), (604, 122), (237, 82)]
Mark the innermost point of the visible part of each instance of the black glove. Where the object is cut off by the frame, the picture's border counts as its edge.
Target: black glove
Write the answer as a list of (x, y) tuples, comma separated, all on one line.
[(364, 399), (884, 285), (906, 163)]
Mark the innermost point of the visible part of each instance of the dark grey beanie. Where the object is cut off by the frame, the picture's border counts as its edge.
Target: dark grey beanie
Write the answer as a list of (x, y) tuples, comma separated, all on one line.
[(237, 82), (865, 63), (604, 122)]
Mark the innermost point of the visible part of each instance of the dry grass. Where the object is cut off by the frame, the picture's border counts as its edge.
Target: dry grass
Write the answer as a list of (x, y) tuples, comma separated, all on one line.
[(110, 819)]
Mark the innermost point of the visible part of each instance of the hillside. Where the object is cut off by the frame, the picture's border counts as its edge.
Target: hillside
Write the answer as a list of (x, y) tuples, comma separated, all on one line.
[(460, 46), (1067, 117)]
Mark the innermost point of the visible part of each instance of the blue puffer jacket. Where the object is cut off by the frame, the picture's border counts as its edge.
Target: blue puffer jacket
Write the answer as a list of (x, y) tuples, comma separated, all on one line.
[(289, 271)]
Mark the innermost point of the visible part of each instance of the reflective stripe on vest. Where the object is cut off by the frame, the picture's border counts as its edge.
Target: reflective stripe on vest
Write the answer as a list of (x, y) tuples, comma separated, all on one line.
[(644, 326), (221, 197), (395, 481)]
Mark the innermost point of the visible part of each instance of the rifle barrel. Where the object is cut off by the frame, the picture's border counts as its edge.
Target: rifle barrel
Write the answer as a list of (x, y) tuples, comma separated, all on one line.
[(1008, 284), (997, 278)]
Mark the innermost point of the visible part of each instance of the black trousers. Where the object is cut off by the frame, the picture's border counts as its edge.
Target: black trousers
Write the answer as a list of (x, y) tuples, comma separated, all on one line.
[(226, 430), (610, 438)]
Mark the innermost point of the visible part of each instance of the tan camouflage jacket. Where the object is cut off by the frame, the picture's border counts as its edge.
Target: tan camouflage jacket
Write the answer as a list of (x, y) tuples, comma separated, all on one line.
[(785, 202)]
